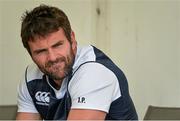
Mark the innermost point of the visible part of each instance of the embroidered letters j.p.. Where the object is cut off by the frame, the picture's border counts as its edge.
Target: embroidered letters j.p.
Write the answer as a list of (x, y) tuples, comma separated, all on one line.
[(81, 100)]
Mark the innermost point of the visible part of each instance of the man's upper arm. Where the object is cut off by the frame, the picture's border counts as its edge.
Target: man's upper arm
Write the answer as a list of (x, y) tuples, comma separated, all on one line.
[(92, 89), (25, 103), (26, 108)]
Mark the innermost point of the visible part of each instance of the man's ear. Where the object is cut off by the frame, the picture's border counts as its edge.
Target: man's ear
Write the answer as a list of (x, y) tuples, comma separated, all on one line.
[(72, 35), (73, 41)]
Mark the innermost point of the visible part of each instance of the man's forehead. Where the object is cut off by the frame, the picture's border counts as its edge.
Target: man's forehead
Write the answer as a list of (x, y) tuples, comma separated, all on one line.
[(41, 36)]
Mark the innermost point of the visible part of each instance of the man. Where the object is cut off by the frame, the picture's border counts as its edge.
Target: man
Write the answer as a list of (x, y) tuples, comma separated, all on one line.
[(66, 81)]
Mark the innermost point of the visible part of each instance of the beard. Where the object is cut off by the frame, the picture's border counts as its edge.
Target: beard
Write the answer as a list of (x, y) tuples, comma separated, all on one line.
[(60, 68)]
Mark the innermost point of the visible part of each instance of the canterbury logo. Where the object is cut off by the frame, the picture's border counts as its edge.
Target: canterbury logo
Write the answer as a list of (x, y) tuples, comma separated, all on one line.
[(42, 96)]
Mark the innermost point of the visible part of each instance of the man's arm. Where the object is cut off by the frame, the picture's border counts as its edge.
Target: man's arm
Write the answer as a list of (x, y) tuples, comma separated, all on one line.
[(91, 92), (26, 108), (28, 116), (84, 114)]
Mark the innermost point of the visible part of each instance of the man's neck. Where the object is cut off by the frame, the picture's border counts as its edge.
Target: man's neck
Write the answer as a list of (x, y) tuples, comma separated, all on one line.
[(55, 83), (58, 84)]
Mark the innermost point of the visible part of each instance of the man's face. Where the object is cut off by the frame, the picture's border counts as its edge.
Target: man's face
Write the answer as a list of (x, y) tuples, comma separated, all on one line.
[(54, 54)]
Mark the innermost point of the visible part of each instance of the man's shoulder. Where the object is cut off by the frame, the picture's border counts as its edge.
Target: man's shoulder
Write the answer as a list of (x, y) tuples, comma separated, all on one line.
[(94, 72), (33, 72)]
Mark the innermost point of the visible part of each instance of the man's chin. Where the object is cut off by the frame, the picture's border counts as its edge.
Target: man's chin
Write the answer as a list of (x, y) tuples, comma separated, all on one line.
[(57, 76)]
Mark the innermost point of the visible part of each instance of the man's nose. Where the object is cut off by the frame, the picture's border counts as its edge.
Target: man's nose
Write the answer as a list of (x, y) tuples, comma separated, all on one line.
[(51, 55)]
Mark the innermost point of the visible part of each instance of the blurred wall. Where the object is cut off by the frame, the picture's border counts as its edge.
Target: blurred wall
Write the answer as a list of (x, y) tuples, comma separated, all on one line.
[(141, 36), (145, 41)]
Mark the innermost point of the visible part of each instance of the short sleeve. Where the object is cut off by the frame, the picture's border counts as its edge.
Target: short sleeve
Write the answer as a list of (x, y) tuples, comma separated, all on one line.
[(93, 86), (25, 103)]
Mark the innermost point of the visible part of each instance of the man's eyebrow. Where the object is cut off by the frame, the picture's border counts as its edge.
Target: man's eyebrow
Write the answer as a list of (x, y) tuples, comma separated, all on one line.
[(57, 43), (39, 50), (60, 42)]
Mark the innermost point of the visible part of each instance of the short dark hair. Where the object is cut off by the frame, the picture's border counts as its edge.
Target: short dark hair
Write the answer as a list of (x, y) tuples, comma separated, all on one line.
[(42, 21)]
